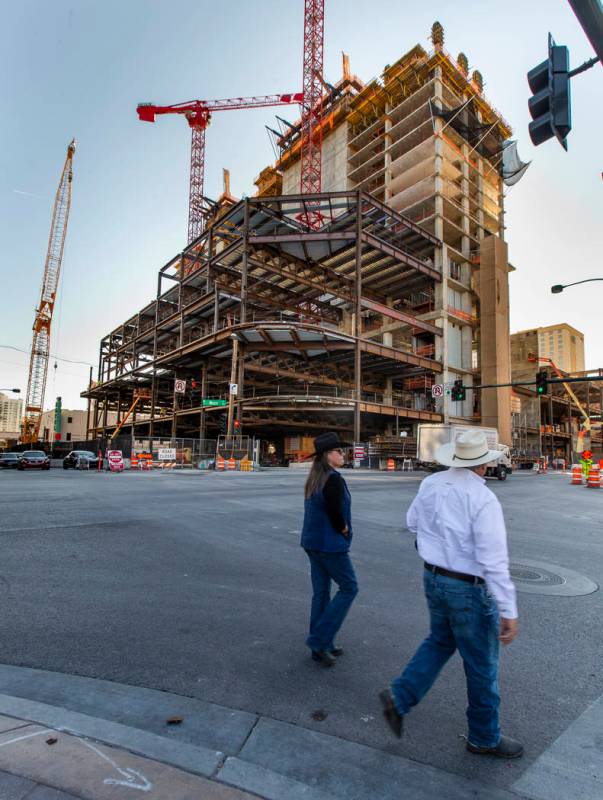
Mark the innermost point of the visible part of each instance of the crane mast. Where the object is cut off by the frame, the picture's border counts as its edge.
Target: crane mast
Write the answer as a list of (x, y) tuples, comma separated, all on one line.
[(40, 348)]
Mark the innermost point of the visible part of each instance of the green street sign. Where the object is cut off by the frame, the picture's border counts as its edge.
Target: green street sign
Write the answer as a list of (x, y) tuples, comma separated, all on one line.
[(208, 401)]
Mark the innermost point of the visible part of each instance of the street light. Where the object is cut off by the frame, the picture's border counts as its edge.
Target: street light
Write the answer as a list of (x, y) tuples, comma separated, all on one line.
[(16, 391), (559, 287)]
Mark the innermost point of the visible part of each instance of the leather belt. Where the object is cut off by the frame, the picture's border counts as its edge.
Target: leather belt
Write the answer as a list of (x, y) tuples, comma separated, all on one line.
[(448, 573)]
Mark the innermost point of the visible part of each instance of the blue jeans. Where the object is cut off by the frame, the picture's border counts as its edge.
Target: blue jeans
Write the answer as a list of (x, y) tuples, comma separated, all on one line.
[(327, 615), (462, 615)]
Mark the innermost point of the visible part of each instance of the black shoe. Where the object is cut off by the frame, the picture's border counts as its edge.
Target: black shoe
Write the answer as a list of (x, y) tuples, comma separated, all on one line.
[(336, 651), (506, 748), (325, 658), (394, 719)]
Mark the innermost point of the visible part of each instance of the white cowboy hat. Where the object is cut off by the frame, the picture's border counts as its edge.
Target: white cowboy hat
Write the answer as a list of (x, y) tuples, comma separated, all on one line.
[(469, 450)]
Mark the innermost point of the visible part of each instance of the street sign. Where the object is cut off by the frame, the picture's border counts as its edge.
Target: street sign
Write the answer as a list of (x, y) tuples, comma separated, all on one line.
[(166, 454), (234, 388), (116, 460), (359, 452), (437, 390), (179, 386), (212, 402)]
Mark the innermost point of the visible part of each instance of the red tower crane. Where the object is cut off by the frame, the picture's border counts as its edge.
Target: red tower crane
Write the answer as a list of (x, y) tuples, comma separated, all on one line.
[(40, 347), (311, 120), (198, 114)]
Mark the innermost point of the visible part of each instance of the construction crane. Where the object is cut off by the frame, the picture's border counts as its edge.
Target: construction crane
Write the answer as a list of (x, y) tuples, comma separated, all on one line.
[(40, 348), (198, 115), (311, 119), (586, 425)]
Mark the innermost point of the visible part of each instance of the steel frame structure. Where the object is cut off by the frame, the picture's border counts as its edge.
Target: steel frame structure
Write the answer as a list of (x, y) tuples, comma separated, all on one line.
[(307, 308)]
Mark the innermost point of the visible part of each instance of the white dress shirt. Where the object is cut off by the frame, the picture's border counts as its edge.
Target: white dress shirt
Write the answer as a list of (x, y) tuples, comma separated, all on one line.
[(460, 526)]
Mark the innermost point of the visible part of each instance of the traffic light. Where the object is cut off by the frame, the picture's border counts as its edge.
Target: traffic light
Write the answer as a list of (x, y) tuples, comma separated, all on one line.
[(237, 425), (458, 392), (541, 382), (550, 104), (223, 423)]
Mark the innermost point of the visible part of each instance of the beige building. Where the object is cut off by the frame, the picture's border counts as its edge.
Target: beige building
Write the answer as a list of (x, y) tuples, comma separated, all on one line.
[(561, 343), (73, 425), (11, 411)]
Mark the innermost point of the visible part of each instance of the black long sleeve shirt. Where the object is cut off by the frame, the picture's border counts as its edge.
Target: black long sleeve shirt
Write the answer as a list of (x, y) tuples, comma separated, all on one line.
[(333, 493)]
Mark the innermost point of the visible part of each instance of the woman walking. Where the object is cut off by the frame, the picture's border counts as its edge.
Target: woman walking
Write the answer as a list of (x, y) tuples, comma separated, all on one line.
[(326, 538)]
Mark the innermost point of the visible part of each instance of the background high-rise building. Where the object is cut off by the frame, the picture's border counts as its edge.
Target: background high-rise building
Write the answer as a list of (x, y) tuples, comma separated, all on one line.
[(561, 343), (11, 411)]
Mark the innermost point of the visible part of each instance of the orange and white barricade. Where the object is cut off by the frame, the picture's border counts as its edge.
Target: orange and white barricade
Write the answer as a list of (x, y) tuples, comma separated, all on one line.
[(594, 477), (232, 464), (134, 461), (391, 465), (220, 463), (576, 475)]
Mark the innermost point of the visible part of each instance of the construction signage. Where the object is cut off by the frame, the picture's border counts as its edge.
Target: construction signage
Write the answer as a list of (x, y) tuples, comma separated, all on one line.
[(179, 386), (166, 454), (116, 460)]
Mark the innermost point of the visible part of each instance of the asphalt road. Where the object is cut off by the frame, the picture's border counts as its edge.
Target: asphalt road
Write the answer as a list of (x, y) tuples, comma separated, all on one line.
[(196, 584)]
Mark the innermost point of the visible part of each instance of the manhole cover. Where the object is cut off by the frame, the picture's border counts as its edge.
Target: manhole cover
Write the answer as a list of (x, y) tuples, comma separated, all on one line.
[(537, 577)]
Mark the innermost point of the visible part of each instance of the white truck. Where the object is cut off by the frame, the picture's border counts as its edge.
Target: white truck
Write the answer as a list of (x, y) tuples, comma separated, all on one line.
[(430, 437)]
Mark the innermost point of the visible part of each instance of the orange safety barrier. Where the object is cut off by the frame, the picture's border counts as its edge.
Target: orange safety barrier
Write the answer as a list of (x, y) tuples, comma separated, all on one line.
[(220, 463), (232, 464), (594, 478), (133, 461), (391, 465), (576, 475)]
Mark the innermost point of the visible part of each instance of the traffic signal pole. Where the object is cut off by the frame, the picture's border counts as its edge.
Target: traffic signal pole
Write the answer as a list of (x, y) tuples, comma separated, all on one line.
[(587, 379)]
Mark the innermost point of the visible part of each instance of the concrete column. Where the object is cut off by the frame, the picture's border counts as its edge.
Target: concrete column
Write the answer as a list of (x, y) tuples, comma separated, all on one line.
[(387, 141), (495, 350)]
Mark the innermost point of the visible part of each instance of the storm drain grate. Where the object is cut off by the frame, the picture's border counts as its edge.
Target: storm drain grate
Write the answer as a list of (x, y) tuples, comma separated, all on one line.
[(535, 577)]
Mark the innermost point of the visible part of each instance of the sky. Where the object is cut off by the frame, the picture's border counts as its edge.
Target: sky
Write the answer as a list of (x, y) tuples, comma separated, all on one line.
[(80, 67)]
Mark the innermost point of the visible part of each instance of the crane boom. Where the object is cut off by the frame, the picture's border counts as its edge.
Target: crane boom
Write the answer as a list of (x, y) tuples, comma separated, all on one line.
[(40, 348), (198, 115)]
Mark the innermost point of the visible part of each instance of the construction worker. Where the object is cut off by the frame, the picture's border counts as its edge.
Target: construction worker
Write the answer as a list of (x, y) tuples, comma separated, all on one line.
[(462, 540), (587, 462)]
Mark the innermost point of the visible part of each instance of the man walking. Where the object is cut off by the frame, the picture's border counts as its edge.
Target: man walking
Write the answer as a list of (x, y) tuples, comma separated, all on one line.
[(462, 539)]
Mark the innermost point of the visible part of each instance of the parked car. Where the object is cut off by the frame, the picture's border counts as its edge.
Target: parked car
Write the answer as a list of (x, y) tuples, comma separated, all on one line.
[(33, 459), (72, 459), (9, 460)]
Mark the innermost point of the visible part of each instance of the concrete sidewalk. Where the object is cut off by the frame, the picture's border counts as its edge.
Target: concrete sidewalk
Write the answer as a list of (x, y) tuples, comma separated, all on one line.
[(40, 763), (98, 740)]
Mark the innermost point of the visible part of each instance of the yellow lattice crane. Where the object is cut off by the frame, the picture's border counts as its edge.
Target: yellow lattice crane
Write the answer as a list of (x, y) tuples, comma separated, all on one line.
[(40, 346)]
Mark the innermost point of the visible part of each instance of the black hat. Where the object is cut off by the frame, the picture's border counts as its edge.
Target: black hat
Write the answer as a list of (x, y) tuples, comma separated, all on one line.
[(326, 442)]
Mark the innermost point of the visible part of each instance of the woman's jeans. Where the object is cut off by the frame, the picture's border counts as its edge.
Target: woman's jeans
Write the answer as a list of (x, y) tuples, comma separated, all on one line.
[(327, 615), (463, 616)]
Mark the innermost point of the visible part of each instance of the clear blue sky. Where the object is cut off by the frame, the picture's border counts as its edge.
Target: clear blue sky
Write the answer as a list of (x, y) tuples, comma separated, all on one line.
[(79, 68)]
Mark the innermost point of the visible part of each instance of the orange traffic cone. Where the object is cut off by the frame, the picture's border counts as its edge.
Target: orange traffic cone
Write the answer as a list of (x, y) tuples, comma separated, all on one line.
[(391, 465), (576, 475)]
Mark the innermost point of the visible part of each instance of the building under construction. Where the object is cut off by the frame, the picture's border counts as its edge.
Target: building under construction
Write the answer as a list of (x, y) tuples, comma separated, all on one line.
[(346, 325)]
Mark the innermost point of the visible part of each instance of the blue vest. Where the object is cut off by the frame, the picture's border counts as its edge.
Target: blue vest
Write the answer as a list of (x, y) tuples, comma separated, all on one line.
[(317, 532)]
